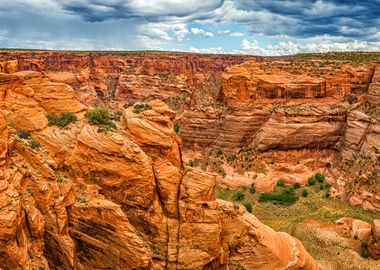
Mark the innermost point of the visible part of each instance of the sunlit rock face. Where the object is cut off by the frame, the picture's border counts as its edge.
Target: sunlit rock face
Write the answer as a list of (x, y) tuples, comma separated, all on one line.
[(81, 197), (278, 105)]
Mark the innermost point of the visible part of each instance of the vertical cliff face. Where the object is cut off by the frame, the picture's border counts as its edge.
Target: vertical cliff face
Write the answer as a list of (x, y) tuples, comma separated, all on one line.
[(277, 106), (117, 78), (359, 147), (82, 197)]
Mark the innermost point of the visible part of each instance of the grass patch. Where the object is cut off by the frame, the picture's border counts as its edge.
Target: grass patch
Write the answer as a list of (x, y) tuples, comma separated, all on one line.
[(279, 197)]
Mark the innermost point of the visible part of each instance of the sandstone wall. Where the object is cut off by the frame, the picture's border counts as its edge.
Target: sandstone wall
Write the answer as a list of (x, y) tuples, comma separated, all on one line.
[(122, 199)]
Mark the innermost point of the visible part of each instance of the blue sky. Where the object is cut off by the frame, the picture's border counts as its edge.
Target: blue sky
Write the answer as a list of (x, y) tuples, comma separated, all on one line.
[(261, 27)]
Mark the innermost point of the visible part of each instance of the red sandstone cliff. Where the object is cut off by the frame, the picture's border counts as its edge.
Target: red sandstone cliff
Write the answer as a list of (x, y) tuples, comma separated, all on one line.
[(119, 77), (122, 199)]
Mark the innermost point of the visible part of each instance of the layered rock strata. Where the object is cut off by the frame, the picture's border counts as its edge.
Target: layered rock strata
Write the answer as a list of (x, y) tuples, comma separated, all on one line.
[(119, 77), (83, 198), (276, 109)]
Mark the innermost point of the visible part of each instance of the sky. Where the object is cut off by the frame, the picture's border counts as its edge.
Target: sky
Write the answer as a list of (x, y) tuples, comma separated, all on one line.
[(259, 27)]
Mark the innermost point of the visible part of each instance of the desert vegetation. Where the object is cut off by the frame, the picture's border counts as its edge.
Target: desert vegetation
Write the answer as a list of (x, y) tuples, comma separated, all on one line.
[(61, 120), (101, 117)]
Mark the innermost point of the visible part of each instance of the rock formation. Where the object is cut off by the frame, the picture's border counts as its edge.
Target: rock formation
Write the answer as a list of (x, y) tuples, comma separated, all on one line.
[(269, 107), (119, 77), (82, 197)]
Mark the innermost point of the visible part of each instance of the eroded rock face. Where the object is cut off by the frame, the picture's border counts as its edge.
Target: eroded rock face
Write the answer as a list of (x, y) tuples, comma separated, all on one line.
[(252, 82), (268, 107), (118, 199), (373, 241), (117, 78)]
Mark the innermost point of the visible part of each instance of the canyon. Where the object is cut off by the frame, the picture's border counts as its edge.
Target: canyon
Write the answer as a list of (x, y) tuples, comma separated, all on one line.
[(82, 197)]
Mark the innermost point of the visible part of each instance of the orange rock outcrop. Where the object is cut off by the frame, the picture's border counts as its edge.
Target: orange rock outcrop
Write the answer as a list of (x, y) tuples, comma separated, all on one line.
[(119, 77), (83, 198)]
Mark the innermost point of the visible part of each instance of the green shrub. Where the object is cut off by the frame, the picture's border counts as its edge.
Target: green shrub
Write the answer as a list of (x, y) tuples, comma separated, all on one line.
[(281, 183), (141, 107), (29, 189), (297, 185), (129, 104), (155, 249), (352, 99), (34, 144), (116, 116), (327, 194), (23, 134), (252, 188), (60, 179), (61, 120), (311, 181), (364, 249), (176, 127), (289, 190), (248, 206), (305, 192), (100, 116), (231, 158), (322, 186), (81, 198), (280, 197), (320, 177), (238, 196)]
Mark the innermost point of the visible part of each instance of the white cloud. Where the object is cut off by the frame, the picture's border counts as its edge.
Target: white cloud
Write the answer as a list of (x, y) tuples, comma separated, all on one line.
[(237, 34), (314, 44), (231, 33), (212, 50), (292, 47), (200, 32)]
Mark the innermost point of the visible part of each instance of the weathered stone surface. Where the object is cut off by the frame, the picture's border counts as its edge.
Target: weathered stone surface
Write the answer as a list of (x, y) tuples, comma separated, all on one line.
[(31, 95), (303, 126), (248, 243), (250, 82), (374, 89), (361, 137), (122, 200), (373, 241), (104, 236)]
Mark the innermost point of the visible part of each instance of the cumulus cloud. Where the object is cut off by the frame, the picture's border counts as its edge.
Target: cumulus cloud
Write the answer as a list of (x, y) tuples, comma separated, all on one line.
[(305, 18), (231, 33), (292, 47), (308, 46), (290, 26), (200, 32)]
